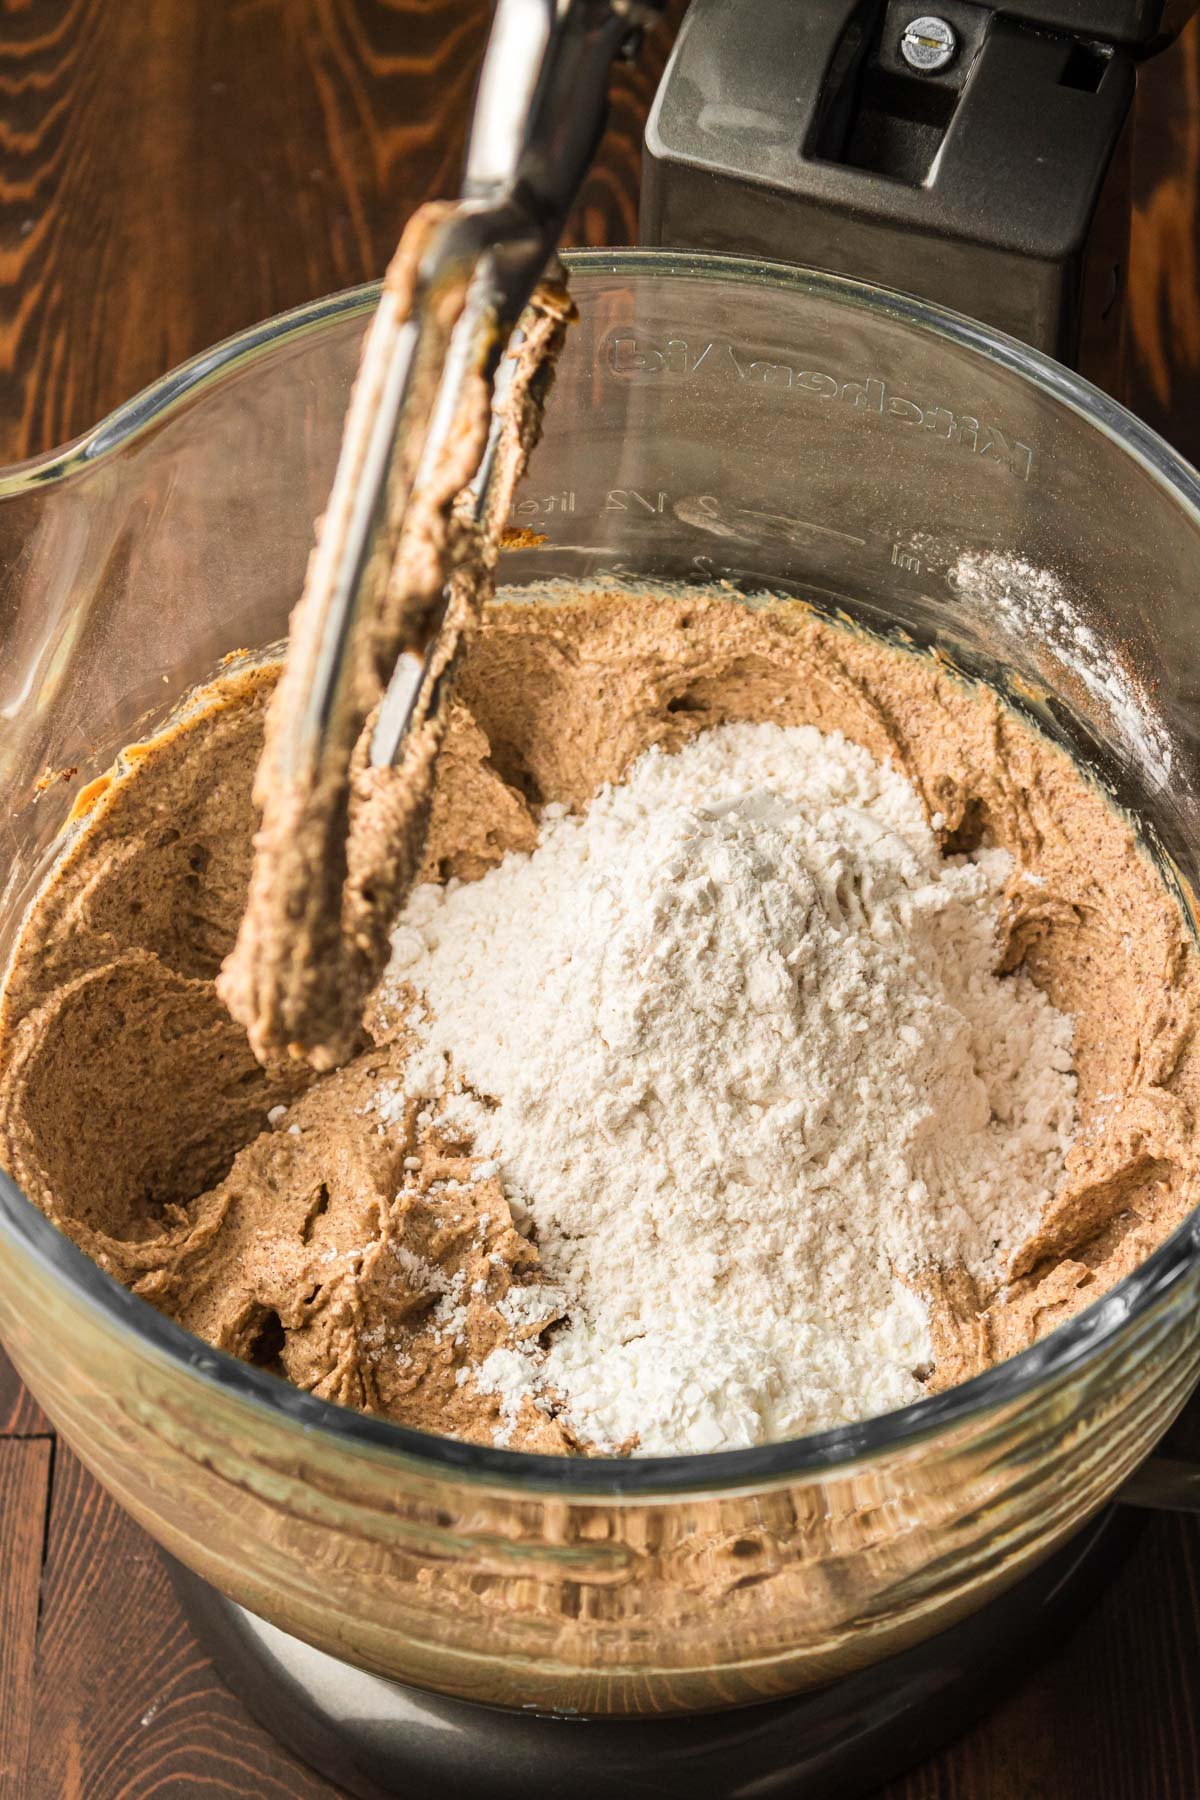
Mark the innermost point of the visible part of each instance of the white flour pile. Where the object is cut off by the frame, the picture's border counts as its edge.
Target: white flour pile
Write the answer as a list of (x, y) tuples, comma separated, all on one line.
[(733, 1041)]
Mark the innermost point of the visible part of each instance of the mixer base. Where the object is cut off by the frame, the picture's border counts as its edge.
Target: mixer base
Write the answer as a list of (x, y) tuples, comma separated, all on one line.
[(375, 1738)]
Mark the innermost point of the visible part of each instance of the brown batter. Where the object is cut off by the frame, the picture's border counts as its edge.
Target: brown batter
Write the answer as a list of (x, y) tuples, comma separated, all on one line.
[(353, 1249)]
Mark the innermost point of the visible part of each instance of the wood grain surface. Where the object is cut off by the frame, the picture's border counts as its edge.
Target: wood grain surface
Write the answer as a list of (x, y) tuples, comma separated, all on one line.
[(170, 171), (24, 1496)]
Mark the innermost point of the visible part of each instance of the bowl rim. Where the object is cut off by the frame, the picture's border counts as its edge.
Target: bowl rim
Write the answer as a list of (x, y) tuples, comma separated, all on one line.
[(1053, 1359)]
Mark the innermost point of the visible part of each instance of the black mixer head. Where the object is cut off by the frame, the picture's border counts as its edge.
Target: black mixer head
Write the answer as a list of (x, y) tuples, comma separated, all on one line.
[(973, 155)]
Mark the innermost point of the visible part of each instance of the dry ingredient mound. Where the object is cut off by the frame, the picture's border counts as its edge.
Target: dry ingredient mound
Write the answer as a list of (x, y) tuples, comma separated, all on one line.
[(734, 1043)]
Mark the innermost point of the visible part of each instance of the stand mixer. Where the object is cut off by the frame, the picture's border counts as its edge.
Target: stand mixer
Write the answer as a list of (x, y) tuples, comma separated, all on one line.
[(411, 1612)]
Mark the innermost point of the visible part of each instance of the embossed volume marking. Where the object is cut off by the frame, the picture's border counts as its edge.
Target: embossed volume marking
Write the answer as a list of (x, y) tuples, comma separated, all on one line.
[(531, 508), (633, 500)]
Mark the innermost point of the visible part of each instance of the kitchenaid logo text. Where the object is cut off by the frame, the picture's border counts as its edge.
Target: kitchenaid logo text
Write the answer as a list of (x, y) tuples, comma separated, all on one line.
[(633, 358)]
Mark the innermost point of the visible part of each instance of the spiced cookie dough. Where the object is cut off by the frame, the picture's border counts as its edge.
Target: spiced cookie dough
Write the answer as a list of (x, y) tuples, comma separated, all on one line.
[(334, 1228)]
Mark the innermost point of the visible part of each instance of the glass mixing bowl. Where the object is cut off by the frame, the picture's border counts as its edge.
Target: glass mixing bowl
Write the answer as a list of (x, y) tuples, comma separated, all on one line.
[(714, 420)]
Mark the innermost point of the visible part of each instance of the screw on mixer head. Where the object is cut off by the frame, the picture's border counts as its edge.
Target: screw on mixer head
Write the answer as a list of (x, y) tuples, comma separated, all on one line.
[(928, 44)]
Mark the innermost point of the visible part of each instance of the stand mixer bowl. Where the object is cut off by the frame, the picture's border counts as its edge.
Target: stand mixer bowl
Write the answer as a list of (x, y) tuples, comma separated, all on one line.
[(714, 420)]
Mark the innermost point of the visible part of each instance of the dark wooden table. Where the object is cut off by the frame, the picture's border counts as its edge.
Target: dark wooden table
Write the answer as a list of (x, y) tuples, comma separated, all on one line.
[(171, 170)]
